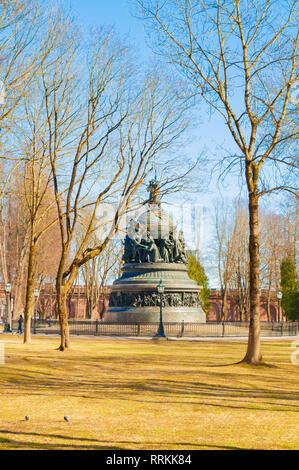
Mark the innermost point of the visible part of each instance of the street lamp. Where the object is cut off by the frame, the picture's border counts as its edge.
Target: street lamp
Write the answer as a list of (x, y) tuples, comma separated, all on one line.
[(8, 305), (36, 294), (160, 333), (279, 297)]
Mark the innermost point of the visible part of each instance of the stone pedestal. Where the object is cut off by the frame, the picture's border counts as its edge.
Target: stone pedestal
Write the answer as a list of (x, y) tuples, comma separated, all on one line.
[(134, 296)]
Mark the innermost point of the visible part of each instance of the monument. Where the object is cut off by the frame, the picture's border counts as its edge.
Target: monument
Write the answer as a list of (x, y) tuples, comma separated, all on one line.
[(153, 252)]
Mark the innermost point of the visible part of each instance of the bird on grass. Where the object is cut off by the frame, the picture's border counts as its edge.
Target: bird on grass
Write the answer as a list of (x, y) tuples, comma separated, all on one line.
[(67, 418), (27, 417)]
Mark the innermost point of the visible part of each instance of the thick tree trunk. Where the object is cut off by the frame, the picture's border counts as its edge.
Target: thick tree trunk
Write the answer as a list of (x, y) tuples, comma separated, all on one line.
[(29, 304), (27, 331), (62, 289), (253, 354), (61, 308)]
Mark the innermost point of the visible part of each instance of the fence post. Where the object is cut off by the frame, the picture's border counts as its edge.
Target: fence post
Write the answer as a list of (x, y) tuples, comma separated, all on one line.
[(223, 328), (182, 329), (97, 326), (138, 329), (34, 324), (281, 328)]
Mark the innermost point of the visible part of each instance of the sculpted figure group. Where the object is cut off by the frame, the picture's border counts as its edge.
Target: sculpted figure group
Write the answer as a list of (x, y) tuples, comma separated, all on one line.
[(142, 248), (175, 299)]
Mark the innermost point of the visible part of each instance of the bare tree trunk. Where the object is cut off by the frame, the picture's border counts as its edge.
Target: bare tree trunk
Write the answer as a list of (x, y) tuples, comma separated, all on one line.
[(78, 299), (269, 305), (224, 305), (61, 307), (20, 277), (88, 306), (69, 300), (253, 354), (18, 298), (29, 305)]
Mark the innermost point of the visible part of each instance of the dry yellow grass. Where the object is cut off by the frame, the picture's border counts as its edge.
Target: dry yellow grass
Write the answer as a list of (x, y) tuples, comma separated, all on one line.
[(135, 394)]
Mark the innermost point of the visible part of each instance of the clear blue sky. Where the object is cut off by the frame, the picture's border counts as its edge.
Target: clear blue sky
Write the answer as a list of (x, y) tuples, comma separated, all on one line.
[(112, 12), (210, 133)]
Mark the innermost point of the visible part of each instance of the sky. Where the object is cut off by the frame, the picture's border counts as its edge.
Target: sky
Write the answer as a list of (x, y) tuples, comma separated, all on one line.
[(113, 12), (207, 138)]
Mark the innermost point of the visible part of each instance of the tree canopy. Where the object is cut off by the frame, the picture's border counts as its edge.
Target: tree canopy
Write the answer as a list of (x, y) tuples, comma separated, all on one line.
[(290, 289), (197, 273)]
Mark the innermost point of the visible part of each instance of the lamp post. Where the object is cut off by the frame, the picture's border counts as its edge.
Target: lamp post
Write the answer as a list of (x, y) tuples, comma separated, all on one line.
[(8, 304), (36, 294), (279, 297), (160, 333)]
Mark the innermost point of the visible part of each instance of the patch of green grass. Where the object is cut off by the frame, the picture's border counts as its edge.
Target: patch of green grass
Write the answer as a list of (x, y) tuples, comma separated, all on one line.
[(135, 394)]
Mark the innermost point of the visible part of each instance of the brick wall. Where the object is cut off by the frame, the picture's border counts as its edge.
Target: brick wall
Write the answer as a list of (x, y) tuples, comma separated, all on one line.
[(77, 304), (232, 306)]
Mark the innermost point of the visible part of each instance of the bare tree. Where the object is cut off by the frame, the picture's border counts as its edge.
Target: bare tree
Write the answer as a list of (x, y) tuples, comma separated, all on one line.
[(28, 234), (115, 127), (231, 227), (28, 33), (41, 229), (13, 243), (277, 236), (278, 240), (97, 270), (224, 252), (35, 187), (271, 246), (240, 276), (241, 58)]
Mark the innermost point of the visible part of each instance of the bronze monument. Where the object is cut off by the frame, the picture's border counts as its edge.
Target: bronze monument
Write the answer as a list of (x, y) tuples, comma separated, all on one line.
[(153, 252)]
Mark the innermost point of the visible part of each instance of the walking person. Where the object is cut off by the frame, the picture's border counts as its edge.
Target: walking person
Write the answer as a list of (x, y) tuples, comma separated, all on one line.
[(20, 325)]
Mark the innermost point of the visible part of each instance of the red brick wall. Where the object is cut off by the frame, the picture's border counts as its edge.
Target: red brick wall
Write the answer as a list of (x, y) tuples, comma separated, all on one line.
[(77, 304), (233, 314)]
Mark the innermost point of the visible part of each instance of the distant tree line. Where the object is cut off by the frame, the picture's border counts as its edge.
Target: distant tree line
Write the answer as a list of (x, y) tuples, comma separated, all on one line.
[(228, 259)]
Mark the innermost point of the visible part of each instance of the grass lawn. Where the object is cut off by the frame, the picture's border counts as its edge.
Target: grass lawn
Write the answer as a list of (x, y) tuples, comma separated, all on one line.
[(136, 394)]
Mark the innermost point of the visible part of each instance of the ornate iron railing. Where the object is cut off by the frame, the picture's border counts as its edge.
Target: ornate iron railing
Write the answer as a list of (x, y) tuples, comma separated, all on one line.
[(179, 330)]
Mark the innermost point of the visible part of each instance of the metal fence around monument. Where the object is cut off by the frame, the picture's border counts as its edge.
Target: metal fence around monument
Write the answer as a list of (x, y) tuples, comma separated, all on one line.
[(149, 329)]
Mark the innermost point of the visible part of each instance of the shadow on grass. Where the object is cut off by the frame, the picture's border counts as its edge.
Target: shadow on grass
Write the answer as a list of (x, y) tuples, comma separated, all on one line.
[(39, 446), (59, 436), (246, 364), (166, 388), (102, 445), (224, 365), (259, 365)]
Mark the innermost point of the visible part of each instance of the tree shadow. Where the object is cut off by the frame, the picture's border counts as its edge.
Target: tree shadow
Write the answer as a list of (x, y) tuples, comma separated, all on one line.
[(166, 387), (59, 436), (102, 444)]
